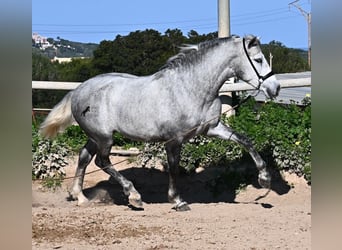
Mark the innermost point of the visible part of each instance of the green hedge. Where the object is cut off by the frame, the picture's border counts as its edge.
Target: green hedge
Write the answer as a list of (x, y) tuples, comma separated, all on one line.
[(281, 133)]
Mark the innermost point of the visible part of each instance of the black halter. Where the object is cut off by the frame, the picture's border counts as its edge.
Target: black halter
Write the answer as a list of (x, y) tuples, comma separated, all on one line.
[(260, 78)]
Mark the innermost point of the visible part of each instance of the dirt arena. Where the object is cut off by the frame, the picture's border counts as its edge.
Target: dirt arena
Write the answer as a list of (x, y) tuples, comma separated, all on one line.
[(281, 220)]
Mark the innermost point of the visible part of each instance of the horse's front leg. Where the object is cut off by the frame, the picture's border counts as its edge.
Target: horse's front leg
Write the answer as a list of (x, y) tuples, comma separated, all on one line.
[(227, 133), (173, 150)]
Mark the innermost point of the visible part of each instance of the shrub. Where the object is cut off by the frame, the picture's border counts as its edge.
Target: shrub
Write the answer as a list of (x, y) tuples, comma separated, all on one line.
[(199, 151), (49, 156), (203, 151), (72, 138), (48, 160), (281, 133)]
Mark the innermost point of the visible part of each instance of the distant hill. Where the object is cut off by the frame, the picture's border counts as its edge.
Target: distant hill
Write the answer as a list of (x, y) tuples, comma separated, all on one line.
[(64, 48)]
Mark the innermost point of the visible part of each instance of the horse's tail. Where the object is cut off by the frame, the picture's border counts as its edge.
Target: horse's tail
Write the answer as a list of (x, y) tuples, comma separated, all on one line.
[(59, 118)]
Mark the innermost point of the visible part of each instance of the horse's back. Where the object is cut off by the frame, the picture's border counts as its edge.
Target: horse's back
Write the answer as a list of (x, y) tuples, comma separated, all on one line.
[(141, 108), (112, 101)]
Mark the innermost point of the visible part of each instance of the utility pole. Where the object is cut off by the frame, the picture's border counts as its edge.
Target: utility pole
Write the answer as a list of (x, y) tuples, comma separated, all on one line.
[(223, 18), (223, 7), (307, 16)]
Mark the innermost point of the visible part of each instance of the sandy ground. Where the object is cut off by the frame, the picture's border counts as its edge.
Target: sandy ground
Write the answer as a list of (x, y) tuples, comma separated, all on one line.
[(281, 220)]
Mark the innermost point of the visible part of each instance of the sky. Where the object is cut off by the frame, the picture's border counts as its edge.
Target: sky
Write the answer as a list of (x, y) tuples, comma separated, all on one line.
[(95, 21)]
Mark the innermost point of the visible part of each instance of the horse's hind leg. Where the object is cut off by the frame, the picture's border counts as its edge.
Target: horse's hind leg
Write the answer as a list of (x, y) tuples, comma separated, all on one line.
[(102, 160), (173, 150), (85, 156), (227, 133)]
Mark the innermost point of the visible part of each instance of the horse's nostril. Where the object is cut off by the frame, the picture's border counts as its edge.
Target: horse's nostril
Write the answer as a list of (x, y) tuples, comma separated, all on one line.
[(278, 89)]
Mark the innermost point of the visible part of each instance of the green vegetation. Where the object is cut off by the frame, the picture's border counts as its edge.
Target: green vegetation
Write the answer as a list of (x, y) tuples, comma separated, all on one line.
[(280, 132), (139, 53), (48, 160), (286, 60)]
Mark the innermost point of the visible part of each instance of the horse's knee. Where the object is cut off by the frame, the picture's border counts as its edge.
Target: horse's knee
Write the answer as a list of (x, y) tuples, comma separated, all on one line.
[(261, 164), (102, 161), (84, 157)]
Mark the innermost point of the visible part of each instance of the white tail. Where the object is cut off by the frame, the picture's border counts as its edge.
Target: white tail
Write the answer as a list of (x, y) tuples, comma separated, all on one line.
[(59, 118)]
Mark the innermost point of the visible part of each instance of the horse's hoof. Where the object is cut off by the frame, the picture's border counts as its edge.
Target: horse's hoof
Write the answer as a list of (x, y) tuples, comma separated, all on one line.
[(135, 200), (264, 179), (181, 207), (82, 201)]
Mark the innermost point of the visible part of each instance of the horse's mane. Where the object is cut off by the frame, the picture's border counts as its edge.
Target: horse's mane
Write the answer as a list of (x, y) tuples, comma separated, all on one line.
[(189, 53)]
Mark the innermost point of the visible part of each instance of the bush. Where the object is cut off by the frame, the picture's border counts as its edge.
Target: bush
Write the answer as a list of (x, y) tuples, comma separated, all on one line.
[(203, 151), (49, 156), (199, 151), (281, 133), (72, 138), (48, 160)]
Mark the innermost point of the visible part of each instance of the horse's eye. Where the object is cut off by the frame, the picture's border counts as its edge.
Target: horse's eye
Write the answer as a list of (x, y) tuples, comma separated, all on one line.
[(258, 60)]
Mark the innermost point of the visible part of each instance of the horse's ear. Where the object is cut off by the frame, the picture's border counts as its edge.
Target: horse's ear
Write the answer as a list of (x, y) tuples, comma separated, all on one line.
[(253, 42)]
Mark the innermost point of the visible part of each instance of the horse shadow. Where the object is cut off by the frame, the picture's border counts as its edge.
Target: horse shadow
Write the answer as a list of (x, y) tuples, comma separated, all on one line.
[(212, 185)]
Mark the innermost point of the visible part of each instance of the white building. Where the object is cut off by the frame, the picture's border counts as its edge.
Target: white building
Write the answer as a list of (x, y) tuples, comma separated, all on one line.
[(41, 41)]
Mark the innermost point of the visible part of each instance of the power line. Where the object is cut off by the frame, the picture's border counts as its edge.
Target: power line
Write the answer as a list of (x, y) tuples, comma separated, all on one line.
[(250, 14), (124, 24), (242, 19), (205, 25), (212, 25)]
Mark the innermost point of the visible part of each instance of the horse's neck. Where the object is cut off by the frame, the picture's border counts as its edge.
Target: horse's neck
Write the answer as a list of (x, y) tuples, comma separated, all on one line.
[(207, 77)]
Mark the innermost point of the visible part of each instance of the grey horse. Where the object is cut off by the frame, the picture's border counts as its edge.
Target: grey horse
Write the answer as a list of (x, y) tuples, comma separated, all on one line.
[(176, 103)]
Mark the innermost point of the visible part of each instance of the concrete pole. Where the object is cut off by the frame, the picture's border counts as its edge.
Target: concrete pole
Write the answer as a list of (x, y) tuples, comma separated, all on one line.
[(223, 18), (224, 31), (307, 16)]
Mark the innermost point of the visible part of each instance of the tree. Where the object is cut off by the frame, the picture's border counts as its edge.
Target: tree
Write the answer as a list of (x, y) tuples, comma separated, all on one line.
[(42, 68), (78, 70), (142, 52), (285, 60), (139, 53), (103, 55), (176, 39), (194, 37)]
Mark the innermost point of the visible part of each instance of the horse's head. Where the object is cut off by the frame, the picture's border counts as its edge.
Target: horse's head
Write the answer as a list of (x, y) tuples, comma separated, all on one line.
[(255, 69)]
